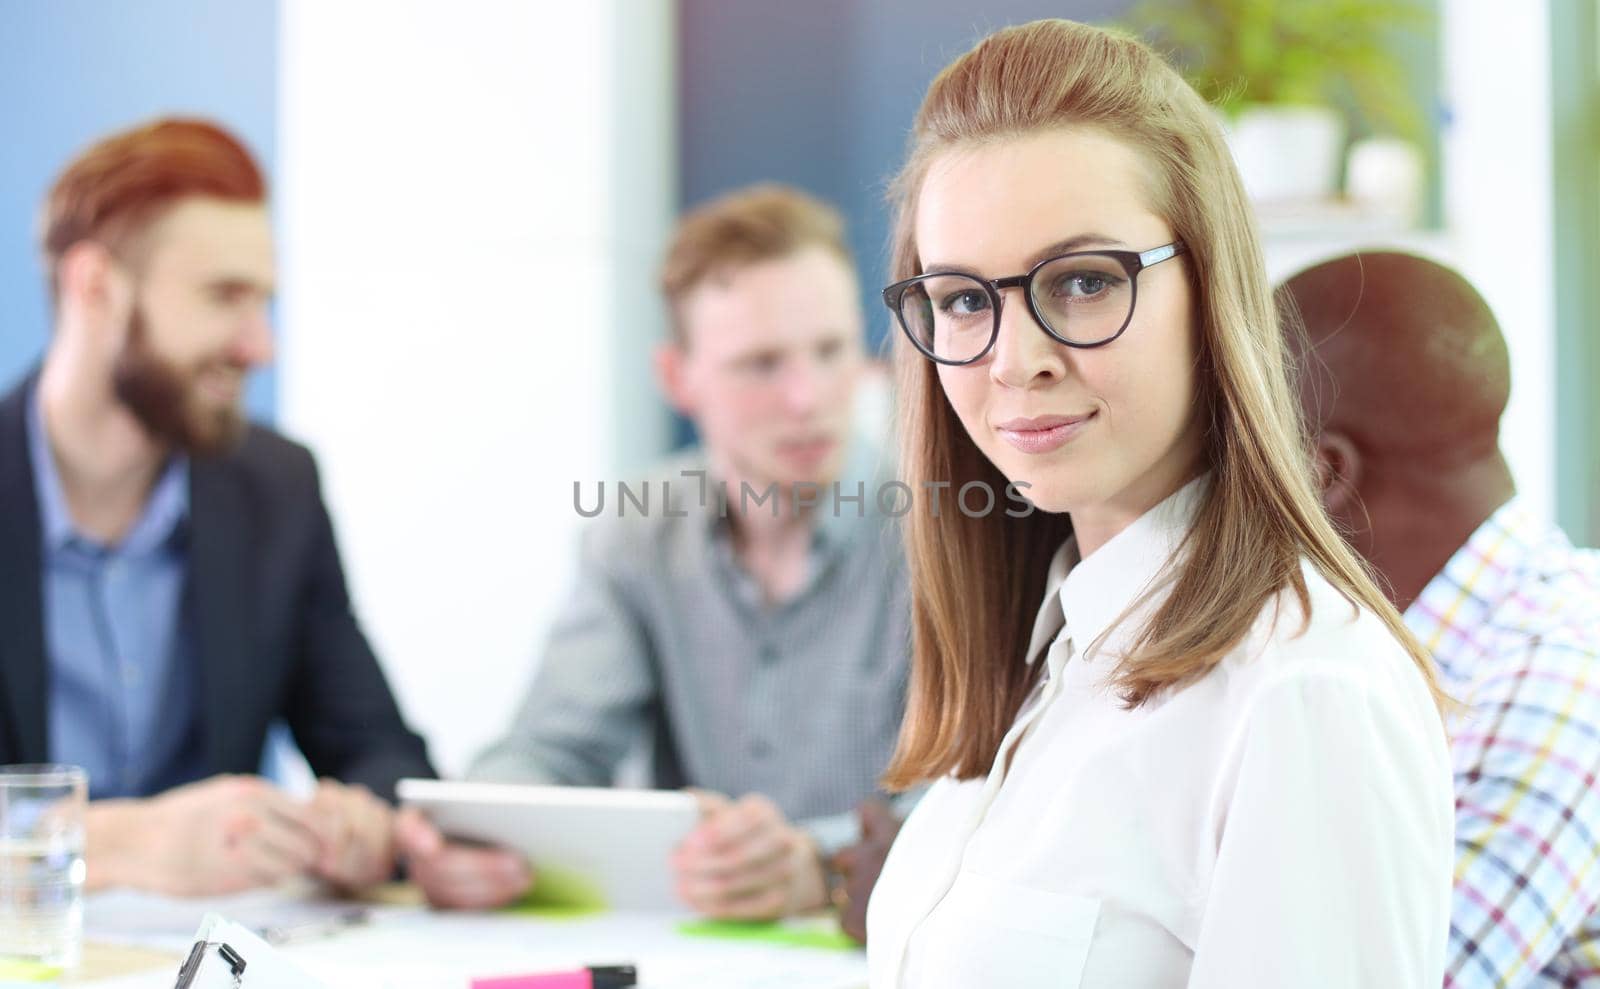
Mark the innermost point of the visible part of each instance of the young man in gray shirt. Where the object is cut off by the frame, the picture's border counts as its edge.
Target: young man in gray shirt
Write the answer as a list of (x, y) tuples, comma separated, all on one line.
[(746, 604)]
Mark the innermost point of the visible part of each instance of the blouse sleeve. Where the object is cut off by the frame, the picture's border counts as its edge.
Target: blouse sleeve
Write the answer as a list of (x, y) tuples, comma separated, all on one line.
[(1334, 845)]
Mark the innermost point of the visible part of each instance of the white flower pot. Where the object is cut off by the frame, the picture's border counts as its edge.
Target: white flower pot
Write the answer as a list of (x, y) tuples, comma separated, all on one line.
[(1288, 153), (1387, 177)]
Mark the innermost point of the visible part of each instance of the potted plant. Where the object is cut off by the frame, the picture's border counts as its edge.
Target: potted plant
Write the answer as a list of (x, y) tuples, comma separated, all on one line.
[(1281, 70)]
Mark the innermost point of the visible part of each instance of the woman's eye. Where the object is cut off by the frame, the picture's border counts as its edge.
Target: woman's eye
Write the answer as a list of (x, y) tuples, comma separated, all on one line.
[(966, 303), (1082, 284)]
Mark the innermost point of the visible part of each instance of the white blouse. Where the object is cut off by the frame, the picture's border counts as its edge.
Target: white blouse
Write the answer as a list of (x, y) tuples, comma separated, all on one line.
[(1284, 821)]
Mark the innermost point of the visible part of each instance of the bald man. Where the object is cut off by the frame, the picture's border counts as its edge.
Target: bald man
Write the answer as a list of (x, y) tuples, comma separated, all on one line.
[(1405, 378)]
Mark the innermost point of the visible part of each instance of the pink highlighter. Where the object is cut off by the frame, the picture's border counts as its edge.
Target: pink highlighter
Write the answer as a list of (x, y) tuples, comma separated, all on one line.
[(594, 977)]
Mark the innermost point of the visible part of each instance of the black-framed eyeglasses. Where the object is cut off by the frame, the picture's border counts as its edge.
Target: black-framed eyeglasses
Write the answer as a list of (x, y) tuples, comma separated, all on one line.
[(1083, 299)]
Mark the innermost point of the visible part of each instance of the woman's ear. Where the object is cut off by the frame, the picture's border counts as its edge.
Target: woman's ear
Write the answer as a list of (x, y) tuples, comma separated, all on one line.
[(1338, 465)]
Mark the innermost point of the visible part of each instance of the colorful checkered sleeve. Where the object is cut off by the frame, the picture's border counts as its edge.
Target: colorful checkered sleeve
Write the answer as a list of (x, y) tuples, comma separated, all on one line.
[(1527, 817), (1513, 622)]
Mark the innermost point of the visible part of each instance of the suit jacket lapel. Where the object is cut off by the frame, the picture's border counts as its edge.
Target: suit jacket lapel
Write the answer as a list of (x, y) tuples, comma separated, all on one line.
[(23, 672), (220, 592)]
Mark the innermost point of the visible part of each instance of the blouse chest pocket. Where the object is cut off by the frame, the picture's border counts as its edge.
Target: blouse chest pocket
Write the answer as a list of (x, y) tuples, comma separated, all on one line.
[(989, 932)]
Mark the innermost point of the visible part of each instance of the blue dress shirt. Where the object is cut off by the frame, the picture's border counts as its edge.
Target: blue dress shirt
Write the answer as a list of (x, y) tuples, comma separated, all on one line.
[(121, 661)]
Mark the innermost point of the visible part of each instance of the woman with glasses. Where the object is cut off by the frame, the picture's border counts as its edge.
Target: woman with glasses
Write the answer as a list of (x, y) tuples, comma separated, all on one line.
[(1179, 736)]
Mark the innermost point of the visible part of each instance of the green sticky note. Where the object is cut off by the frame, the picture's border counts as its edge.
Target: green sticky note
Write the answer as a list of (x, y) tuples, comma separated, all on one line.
[(17, 971), (821, 932), (560, 895)]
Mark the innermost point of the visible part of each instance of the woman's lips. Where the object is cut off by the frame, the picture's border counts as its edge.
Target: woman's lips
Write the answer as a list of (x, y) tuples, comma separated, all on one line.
[(1043, 434)]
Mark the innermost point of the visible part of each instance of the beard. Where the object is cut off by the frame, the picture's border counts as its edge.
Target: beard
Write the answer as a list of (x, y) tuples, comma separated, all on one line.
[(166, 400)]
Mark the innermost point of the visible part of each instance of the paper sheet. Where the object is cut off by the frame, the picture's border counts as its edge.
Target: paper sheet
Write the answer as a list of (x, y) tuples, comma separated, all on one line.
[(145, 920)]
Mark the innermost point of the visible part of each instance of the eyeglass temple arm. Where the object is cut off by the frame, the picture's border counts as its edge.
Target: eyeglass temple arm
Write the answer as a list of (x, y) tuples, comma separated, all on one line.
[(1156, 255)]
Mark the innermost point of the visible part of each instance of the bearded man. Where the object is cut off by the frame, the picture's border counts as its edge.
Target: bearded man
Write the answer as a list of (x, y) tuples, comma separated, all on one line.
[(169, 581)]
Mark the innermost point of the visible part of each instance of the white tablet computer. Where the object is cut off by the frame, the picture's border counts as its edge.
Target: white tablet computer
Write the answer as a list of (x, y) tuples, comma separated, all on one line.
[(589, 847)]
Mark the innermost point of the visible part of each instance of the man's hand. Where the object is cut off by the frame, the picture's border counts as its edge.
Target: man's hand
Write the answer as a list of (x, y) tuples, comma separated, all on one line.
[(458, 876), (358, 835), (220, 835), (745, 861), (861, 863)]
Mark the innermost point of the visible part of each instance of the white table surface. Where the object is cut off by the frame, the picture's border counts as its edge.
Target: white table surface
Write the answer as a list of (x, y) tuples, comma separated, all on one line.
[(409, 947)]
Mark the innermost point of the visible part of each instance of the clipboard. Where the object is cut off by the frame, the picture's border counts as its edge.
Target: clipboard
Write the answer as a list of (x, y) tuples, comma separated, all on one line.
[(226, 955)]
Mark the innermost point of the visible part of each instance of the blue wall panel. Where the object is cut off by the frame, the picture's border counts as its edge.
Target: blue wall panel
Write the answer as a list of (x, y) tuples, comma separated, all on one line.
[(73, 70)]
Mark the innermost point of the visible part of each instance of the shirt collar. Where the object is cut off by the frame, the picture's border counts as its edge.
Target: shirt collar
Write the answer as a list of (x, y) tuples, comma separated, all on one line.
[(1047, 624), (165, 510), (1449, 615), (54, 517), (1084, 598)]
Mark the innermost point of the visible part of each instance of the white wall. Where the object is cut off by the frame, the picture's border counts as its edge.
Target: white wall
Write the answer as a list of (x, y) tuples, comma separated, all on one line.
[(1498, 176), (471, 196)]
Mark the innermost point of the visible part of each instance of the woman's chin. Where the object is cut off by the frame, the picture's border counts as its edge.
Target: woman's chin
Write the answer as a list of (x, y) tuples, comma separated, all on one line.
[(1054, 498)]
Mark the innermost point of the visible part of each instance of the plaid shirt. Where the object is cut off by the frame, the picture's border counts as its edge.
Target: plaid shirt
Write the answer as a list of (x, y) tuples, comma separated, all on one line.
[(1513, 622)]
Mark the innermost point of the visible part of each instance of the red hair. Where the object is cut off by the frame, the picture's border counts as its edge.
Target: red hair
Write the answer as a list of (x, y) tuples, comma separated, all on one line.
[(118, 186)]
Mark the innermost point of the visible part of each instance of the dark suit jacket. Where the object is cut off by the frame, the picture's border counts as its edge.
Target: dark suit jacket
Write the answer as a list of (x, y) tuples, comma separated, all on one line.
[(265, 607)]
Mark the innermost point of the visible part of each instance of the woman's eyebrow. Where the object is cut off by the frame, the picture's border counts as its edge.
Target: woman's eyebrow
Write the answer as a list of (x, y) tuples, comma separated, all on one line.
[(1076, 242)]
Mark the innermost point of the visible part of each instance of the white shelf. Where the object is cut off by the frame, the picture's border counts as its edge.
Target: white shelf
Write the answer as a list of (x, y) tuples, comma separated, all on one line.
[(1296, 236)]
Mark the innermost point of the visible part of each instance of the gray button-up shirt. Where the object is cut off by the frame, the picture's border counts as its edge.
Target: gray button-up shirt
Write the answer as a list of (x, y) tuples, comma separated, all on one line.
[(666, 633)]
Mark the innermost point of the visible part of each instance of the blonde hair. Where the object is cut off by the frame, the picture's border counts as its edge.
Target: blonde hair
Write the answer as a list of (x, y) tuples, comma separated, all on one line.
[(747, 226), (977, 583)]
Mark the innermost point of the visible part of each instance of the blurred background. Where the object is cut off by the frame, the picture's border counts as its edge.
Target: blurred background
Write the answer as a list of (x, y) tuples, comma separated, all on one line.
[(471, 197)]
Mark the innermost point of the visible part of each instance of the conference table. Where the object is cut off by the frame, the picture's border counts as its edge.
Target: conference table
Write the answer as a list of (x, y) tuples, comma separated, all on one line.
[(133, 941)]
